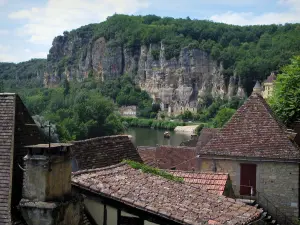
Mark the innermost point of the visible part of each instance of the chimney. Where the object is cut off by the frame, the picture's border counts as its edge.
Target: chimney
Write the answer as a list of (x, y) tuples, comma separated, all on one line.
[(257, 88), (46, 196)]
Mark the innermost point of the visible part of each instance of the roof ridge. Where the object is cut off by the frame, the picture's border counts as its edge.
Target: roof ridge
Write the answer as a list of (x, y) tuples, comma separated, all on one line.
[(196, 172), (98, 169), (99, 138)]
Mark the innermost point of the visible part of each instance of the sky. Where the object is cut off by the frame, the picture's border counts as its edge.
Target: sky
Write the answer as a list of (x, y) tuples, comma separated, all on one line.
[(27, 27)]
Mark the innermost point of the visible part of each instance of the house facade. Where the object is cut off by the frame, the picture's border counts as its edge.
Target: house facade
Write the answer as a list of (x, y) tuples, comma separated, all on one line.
[(128, 111), (268, 86), (259, 155)]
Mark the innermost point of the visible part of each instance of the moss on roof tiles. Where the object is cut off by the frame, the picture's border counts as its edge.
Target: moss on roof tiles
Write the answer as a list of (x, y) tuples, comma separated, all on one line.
[(152, 170)]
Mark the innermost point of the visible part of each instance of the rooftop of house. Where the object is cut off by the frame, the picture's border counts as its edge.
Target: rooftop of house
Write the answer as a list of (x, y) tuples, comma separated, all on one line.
[(52, 145), (213, 182), (147, 154), (253, 131), (175, 201), (271, 78), (103, 151), (7, 120), (169, 157)]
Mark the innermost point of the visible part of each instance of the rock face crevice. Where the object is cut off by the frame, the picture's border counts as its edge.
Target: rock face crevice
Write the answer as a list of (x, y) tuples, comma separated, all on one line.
[(176, 83)]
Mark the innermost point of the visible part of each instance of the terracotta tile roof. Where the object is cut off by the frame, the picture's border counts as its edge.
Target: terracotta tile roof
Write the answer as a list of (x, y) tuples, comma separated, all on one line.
[(180, 157), (7, 127), (213, 182), (176, 201), (206, 135), (104, 151), (147, 154), (253, 131)]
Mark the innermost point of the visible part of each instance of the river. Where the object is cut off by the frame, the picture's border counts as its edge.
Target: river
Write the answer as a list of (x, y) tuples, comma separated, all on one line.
[(153, 137)]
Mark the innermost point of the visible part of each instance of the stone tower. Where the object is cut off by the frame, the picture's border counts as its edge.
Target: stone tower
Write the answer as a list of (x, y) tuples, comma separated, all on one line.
[(257, 88), (46, 196)]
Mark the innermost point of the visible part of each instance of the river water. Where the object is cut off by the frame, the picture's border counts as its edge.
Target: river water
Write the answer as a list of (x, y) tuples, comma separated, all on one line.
[(153, 137)]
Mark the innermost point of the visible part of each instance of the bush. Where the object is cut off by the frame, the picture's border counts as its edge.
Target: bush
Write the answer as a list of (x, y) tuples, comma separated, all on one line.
[(199, 129)]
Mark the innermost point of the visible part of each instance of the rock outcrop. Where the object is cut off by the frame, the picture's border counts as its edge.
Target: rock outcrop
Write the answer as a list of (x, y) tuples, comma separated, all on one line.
[(176, 83)]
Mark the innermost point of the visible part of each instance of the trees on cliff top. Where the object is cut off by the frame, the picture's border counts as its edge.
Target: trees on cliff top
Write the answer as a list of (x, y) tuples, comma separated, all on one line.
[(251, 52), (286, 95)]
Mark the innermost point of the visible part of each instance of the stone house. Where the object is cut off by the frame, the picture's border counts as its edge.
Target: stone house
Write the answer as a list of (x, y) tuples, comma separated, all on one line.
[(128, 111), (268, 86), (260, 156)]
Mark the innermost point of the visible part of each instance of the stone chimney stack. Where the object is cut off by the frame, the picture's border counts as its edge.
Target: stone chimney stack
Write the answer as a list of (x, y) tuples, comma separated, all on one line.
[(46, 196), (257, 88)]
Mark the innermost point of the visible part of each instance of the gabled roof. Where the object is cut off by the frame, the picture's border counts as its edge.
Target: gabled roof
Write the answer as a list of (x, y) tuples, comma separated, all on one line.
[(104, 151), (212, 182), (7, 127), (253, 131), (167, 199)]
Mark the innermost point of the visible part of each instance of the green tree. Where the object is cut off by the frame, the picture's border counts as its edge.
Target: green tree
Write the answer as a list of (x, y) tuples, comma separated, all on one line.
[(286, 95), (222, 117), (66, 86)]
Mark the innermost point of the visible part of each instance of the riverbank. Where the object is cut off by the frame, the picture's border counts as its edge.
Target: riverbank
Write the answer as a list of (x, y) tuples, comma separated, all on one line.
[(151, 123), (186, 129)]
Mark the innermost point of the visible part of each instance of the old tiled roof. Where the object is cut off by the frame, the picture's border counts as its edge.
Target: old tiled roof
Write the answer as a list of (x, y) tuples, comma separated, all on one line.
[(104, 151), (253, 131), (176, 157), (147, 154), (206, 135), (7, 126), (175, 201), (213, 182), (169, 157)]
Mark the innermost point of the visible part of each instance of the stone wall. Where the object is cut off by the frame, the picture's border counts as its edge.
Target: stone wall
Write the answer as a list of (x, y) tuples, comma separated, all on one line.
[(277, 181)]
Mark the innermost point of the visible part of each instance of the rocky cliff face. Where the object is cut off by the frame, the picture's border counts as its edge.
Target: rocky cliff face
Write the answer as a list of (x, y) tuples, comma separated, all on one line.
[(177, 83)]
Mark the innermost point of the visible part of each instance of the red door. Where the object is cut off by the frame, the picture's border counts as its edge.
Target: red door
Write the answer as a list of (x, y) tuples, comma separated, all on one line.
[(248, 179)]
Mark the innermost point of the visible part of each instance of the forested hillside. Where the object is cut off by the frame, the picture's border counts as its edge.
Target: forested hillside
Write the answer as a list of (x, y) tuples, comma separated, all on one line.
[(251, 52), (25, 74), (126, 60)]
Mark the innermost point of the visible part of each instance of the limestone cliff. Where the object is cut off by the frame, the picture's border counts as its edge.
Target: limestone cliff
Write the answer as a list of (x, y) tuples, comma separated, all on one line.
[(177, 83)]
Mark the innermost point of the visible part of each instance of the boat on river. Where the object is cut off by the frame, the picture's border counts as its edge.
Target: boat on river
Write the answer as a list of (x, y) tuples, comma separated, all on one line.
[(167, 134)]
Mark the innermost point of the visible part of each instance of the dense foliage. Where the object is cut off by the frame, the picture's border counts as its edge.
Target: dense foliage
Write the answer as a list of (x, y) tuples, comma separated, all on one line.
[(223, 116), (218, 112), (78, 110), (124, 92), (27, 74), (251, 52), (286, 96), (159, 124)]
